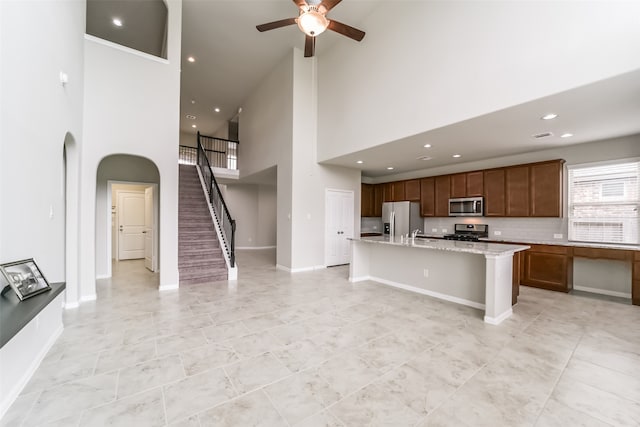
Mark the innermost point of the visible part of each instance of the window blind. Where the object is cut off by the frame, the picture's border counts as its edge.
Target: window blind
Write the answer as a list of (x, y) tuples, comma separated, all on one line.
[(604, 201)]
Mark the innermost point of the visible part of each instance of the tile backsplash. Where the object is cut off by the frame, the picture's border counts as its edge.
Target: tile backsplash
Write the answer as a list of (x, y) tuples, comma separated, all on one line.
[(370, 225), (508, 228)]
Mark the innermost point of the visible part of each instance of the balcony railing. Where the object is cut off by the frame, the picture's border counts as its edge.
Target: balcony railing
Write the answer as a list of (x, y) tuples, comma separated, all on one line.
[(221, 153)]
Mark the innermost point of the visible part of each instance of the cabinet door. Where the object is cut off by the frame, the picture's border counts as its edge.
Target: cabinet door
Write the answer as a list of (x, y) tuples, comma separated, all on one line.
[(547, 267), (366, 199), (494, 195), (546, 189), (378, 199), (475, 182), (398, 191), (517, 193), (442, 195), (427, 197), (412, 190), (458, 185), (388, 192)]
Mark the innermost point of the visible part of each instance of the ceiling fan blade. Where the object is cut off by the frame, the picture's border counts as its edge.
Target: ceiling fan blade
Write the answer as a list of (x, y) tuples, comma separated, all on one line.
[(301, 3), (328, 4), (309, 46), (346, 30), (276, 24)]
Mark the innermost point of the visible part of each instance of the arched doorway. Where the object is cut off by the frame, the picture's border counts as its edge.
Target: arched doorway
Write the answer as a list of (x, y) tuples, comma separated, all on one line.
[(123, 174), (71, 182)]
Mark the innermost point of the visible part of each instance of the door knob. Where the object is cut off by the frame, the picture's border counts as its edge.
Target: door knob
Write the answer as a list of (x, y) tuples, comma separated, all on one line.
[(120, 228), (144, 232)]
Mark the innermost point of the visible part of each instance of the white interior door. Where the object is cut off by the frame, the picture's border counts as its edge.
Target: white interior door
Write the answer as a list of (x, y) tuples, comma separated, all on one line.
[(339, 226), (150, 259), (131, 225)]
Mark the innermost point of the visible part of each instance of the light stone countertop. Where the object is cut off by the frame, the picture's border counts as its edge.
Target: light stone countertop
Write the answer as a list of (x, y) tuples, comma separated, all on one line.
[(563, 243), (480, 248)]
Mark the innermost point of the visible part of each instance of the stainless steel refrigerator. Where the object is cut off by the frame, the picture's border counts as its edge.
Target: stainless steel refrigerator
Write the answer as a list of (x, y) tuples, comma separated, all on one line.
[(402, 217)]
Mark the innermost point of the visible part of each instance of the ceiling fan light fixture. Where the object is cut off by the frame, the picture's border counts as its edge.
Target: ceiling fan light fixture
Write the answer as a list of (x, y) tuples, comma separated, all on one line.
[(312, 22)]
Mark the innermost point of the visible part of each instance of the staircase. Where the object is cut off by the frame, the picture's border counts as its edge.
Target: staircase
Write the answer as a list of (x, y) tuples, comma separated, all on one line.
[(200, 259)]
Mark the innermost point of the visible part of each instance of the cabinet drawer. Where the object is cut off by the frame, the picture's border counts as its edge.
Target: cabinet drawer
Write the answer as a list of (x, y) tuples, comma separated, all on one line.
[(551, 249), (602, 253)]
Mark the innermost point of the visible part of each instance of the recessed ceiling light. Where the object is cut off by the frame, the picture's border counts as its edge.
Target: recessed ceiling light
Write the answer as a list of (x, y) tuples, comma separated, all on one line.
[(457, 155), (390, 168), (359, 162), (549, 116), (217, 110), (427, 145), (566, 135), (190, 117), (193, 126), (117, 22), (193, 101), (191, 59)]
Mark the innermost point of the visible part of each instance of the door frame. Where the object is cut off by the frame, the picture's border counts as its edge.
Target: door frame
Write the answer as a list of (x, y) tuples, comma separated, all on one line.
[(156, 214), (326, 217)]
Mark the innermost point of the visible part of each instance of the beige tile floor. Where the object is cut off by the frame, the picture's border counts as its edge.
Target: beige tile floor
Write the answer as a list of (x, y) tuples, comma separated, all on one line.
[(311, 349)]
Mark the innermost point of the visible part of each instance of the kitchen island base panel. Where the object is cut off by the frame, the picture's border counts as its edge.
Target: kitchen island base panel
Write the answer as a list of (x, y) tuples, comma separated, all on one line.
[(475, 280), (499, 272)]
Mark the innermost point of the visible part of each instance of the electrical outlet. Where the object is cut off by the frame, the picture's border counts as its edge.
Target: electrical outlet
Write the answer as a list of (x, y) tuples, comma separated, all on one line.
[(375, 227), (426, 272), (557, 236), (434, 230), (444, 230), (497, 233)]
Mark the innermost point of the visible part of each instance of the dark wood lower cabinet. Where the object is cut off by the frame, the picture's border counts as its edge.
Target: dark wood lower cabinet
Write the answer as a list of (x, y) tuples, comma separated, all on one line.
[(635, 283), (515, 286), (548, 267)]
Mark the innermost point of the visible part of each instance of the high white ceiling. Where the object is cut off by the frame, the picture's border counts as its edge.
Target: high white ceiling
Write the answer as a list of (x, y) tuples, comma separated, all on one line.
[(232, 57)]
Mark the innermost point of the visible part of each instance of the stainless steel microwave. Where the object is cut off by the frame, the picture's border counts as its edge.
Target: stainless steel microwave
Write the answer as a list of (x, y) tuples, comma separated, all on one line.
[(466, 206)]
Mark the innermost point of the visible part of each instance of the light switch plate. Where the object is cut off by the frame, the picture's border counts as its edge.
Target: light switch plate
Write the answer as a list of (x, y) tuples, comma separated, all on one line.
[(444, 230), (434, 230), (497, 233), (557, 236)]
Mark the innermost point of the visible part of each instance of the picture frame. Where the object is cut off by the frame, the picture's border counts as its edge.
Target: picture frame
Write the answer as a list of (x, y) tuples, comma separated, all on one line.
[(25, 278)]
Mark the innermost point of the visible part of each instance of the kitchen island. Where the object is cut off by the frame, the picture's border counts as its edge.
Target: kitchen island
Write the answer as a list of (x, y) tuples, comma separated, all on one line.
[(476, 274)]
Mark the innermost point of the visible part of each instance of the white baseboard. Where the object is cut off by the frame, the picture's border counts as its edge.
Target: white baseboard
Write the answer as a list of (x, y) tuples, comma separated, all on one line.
[(232, 273), (602, 291), (103, 276), (254, 248), (70, 305), (300, 269), (434, 294), (87, 298), (171, 287), (497, 320)]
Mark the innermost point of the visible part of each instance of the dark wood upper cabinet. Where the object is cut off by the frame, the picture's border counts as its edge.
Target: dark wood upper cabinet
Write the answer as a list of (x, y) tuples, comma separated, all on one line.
[(397, 189), (412, 190), (494, 192), (378, 199), (366, 200), (546, 189), (442, 195), (458, 185), (517, 190), (388, 192), (475, 184), (427, 197)]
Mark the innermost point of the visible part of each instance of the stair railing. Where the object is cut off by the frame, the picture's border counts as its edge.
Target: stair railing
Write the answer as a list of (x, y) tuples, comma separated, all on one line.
[(227, 223)]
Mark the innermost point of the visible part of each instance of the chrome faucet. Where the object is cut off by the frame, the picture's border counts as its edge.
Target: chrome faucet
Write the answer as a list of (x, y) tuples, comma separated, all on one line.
[(414, 232)]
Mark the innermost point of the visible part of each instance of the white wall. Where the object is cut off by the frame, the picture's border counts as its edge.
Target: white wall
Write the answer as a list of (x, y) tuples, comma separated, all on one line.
[(132, 107), (279, 128), (254, 209), (266, 140), (424, 65), (37, 41)]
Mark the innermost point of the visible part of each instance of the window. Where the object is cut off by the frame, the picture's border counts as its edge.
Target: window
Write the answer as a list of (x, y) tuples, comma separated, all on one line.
[(604, 201)]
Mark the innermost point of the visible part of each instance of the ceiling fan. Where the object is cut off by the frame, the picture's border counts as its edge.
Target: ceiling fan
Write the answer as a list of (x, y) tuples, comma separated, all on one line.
[(312, 21)]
